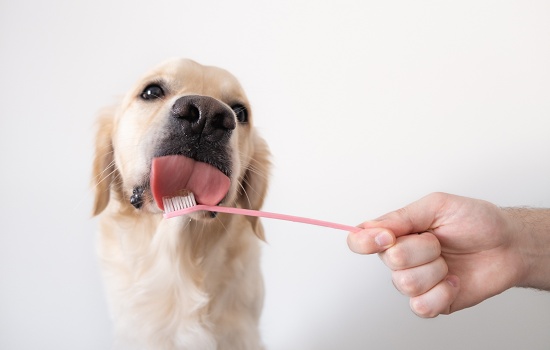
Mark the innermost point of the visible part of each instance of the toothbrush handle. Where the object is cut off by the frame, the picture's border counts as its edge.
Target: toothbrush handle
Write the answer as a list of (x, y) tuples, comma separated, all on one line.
[(264, 214)]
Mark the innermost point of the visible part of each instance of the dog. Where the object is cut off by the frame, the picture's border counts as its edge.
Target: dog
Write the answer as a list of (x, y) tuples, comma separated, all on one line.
[(194, 281)]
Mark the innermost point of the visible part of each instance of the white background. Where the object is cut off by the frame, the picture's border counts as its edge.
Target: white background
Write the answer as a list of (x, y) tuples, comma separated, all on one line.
[(367, 106)]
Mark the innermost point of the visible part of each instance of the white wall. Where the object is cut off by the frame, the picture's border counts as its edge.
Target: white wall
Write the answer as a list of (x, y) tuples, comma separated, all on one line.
[(367, 105)]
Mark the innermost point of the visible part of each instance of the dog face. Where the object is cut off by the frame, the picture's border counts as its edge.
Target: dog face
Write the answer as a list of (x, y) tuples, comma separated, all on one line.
[(180, 108)]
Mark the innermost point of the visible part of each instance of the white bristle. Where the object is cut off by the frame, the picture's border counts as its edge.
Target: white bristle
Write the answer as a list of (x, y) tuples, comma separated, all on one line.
[(171, 204)]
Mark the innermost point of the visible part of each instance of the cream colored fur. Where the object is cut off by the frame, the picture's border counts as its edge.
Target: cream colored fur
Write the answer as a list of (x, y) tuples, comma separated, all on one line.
[(191, 282)]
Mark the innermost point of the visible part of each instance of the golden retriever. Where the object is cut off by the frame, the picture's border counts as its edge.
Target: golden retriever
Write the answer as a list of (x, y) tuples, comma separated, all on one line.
[(191, 282)]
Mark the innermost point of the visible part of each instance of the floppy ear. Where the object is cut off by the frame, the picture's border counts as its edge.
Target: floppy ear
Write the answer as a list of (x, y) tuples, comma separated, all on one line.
[(255, 182), (103, 171)]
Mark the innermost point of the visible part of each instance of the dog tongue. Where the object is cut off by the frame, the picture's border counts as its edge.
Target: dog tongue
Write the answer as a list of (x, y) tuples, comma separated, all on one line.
[(171, 174)]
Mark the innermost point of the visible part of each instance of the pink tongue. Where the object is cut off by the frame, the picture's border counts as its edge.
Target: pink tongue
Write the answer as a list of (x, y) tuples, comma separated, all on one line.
[(171, 174)]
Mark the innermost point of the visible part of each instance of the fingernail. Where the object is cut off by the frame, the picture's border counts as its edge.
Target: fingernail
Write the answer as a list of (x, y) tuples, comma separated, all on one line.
[(453, 281), (384, 239)]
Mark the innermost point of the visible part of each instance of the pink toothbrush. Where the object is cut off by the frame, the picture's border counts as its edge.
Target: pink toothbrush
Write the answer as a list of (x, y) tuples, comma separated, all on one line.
[(186, 203)]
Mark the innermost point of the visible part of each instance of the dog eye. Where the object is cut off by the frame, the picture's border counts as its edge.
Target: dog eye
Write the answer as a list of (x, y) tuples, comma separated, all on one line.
[(241, 113), (152, 92)]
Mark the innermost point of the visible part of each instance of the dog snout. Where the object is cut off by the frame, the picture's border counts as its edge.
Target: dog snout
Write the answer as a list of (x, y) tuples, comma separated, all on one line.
[(203, 115)]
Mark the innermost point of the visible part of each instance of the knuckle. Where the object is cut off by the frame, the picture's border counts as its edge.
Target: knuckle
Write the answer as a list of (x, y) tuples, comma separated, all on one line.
[(406, 283), (433, 243), (437, 301), (438, 197), (422, 309), (396, 258)]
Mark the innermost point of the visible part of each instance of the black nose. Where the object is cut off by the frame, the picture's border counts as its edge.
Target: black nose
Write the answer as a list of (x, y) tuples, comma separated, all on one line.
[(203, 115)]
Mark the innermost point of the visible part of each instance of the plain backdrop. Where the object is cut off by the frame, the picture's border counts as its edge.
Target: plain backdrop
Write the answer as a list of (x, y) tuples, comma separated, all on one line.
[(367, 106)]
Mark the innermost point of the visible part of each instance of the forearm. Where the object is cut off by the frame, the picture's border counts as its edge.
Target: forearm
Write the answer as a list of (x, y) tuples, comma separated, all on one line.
[(531, 232)]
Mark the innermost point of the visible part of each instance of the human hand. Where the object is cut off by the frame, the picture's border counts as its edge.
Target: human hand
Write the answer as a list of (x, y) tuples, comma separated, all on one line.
[(446, 252)]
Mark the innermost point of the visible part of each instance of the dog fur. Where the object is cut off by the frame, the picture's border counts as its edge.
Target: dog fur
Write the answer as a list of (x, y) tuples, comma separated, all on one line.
[(191, 282)]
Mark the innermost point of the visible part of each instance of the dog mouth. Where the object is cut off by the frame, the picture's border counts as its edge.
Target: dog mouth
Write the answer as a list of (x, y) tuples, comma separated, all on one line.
[(173, 173)]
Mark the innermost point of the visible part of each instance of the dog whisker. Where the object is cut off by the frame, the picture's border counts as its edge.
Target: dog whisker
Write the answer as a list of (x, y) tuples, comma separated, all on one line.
[(99, 177), (105, 177), (244, 193)]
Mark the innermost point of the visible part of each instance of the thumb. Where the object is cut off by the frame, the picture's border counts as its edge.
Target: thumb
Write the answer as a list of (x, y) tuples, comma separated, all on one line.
[(371, 240), (417, 217), (380, 234)]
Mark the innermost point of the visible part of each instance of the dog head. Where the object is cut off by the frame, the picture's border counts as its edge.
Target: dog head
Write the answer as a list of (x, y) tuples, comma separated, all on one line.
[(179, 115)]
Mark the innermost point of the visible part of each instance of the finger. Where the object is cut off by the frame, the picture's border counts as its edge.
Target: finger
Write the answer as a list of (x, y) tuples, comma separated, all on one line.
[(418, 280), (437, 300), (411, 251), (370, 241), (419, 216)]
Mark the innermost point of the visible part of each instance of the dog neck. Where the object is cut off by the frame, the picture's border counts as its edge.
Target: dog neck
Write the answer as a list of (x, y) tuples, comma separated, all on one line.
[(174, 270)]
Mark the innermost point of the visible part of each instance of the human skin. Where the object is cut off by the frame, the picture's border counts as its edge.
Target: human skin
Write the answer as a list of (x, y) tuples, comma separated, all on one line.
[(447, 252)]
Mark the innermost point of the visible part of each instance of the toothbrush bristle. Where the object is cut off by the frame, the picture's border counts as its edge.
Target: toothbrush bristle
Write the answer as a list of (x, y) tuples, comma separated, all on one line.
[(185, 200)]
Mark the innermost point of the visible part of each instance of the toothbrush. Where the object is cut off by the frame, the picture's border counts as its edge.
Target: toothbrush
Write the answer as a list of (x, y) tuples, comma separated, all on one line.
[(186, 203)]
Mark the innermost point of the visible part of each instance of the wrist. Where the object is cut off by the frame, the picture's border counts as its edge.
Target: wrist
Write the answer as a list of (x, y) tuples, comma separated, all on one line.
[(530, 229)]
